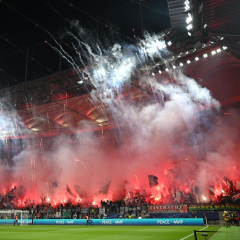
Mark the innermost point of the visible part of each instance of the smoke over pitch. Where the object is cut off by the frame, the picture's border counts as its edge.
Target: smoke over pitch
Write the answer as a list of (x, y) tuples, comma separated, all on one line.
[(175, 134)]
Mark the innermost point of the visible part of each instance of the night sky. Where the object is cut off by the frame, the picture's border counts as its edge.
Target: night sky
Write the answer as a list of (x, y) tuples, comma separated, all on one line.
[(24, 26)]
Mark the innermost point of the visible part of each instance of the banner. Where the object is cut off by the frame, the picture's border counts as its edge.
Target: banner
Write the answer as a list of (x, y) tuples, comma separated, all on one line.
[(66, 214), (217, 206), (227, 206), (211, 207), (233, 206), (129, 222), (222, 207), (203, 208), (168, 208), (207, 206), (102, 210), (236, 197)]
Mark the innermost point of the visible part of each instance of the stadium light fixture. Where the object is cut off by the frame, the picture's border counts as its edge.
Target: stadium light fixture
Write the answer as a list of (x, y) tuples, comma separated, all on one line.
[(181, 64), (213, 52), (160, 71), (196, 58), (187, 5), (189, 18), (174, 67), (189, 34), (153, 74), (205, 55), (188, 61), (224, 47), (80, 82), (167, 69), (205, 25), (169, 43), (219, 50), (189, 26)]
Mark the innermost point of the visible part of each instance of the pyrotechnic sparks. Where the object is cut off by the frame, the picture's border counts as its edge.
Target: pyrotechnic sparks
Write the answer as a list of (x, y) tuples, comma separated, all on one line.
[(170, 133)]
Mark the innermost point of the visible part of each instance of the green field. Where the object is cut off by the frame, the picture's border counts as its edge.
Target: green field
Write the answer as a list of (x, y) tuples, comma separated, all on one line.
[(113, 232)]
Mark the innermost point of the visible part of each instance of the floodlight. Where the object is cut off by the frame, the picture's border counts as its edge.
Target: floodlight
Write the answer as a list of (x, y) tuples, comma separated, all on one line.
[(189, 26), (189, 18)]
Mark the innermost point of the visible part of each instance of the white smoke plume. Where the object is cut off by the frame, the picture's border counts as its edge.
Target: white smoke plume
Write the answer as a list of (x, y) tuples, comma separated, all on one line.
[(177, 134)]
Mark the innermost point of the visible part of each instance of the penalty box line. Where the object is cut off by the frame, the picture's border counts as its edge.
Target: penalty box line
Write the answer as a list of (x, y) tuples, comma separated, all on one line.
[(193, 233)]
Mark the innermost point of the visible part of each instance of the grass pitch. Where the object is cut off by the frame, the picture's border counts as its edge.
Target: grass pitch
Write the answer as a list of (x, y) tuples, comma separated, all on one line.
[(111, 232)]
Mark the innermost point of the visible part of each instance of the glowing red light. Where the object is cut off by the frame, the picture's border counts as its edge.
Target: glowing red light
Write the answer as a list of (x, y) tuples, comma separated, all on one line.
[(158, 188), (187, 190)]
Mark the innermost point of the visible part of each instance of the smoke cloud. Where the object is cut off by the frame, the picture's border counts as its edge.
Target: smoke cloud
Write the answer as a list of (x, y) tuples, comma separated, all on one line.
[(177, 134)]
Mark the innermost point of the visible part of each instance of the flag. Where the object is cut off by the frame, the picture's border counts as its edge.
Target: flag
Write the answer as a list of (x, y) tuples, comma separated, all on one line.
[(70, 192), (104, 189), (211, 190), (55, 184), (81, 193), (153, 180), (226, 180)]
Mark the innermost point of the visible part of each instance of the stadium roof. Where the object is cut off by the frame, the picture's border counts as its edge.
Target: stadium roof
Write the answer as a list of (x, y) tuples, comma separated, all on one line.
[(62, 105)]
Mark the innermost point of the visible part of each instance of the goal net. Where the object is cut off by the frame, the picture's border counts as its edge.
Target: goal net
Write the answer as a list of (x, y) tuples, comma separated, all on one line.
[(7, 217)]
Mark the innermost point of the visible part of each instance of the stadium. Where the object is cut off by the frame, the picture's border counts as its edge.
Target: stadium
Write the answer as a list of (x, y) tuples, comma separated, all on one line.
[(120, 119)]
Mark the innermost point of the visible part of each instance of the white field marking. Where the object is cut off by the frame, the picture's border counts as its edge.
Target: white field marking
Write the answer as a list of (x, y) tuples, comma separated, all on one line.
[(193, 233), (215, 233)]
